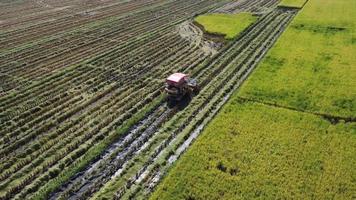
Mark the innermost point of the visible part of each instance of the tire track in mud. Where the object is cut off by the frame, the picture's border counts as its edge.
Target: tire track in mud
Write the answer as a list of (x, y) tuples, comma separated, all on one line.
[(245, 51)]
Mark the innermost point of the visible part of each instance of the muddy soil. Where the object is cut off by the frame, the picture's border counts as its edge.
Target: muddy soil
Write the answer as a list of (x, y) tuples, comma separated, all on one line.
[(189, 31)]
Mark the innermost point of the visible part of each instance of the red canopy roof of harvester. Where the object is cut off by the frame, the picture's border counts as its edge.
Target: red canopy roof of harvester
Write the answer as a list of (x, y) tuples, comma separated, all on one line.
[(176, 77)]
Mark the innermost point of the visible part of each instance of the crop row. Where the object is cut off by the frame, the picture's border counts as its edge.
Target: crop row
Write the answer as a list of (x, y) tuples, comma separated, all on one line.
[(21, 140), (25, 140), (82, 31), (128, 65), (9, 101), (69, 11), (85, 106), (94, 50), (35, 69), (63, 40), (173, 50), (11, 9), (39, 30), (67, 75), (78, 71), (72, 42)]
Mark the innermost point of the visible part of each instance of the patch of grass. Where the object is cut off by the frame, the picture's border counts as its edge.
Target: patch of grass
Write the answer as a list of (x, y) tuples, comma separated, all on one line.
[(292, 3), (312, 66), (228, 25)]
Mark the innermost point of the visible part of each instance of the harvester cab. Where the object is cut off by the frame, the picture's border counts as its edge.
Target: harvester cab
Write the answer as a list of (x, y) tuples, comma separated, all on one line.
[(179, 85)]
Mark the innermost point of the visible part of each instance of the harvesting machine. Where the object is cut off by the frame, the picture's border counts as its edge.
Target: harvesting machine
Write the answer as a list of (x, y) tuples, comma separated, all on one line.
[(179, 85)]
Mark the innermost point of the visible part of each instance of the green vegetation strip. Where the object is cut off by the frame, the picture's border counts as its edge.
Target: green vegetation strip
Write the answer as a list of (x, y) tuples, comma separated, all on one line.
[(227, 25)]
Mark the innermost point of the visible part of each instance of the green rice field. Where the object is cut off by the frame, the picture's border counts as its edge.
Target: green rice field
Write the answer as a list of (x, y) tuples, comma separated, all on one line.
[(228, 25)]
